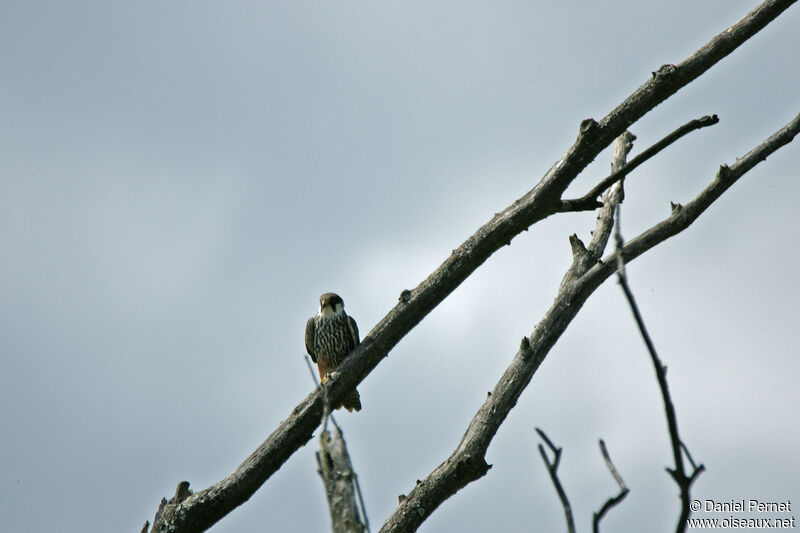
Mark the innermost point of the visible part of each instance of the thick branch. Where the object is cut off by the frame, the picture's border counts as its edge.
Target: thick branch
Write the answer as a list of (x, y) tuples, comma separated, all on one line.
[(446, 479), (340, 483), (204, 508)]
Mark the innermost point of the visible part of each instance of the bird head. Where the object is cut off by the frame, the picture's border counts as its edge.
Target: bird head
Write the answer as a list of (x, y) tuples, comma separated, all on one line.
[(330, 304)]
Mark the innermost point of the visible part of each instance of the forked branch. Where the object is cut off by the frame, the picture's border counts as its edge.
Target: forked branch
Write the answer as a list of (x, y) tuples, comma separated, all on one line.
[(611, 502), (552, 469), (588, 202), (467, 462), (204, 508), (678, 473)]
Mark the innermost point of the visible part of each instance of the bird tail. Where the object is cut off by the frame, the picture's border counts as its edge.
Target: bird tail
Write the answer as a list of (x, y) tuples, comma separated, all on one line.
[(351, 401)]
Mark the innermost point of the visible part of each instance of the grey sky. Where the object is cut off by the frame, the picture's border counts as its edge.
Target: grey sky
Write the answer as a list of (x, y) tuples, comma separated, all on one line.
[(181, 181)]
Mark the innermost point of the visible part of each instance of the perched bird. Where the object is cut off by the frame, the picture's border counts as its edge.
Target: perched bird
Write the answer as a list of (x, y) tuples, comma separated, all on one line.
[(330, 336)]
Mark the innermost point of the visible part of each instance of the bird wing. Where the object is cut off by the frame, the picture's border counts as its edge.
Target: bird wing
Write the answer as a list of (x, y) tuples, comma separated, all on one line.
[(310, 332), (353, 330)]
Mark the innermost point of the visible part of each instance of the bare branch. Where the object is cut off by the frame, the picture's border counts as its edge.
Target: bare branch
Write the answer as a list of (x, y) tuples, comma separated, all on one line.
[(310, 366), (467, 462), (611, 198), (167, 509), (340, 484), (611, 467), (611, 502), (605, 222), (550, 444), (588, 202), (338, 475), (204, 508), (552, 468), (584, 257), (678, 473), (688, 456), (684, 215), (362, 508)]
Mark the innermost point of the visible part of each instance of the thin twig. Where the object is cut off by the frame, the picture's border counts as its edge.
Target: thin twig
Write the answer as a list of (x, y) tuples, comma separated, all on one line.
[(678, 473), (611, 466), (544, 437), (361, 506), (552, 468), (688, 455), (588, 202), (611, 502), (310, 366)]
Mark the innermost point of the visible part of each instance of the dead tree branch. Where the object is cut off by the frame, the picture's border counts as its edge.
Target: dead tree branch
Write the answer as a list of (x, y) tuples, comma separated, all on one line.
[(684, 215), (678, 473), (340, 484), (611, 502), (584, 258), (342, 489), (552, 468), (611, 199), (588, 202), (467, 462), (202, 509)]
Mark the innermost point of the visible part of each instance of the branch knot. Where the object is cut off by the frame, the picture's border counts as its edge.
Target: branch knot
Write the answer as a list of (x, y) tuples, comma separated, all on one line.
[(525, 347), (588, 126), (664, 72)]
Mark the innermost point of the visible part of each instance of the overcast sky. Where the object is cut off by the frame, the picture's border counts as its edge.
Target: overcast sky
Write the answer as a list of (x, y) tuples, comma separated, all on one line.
[(181, 181)]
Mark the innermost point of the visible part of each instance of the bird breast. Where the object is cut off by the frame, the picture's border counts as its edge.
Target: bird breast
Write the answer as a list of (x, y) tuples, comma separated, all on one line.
[(332, 339)]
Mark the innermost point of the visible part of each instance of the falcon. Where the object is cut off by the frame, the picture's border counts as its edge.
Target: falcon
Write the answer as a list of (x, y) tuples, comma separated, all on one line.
[(330, 336)]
